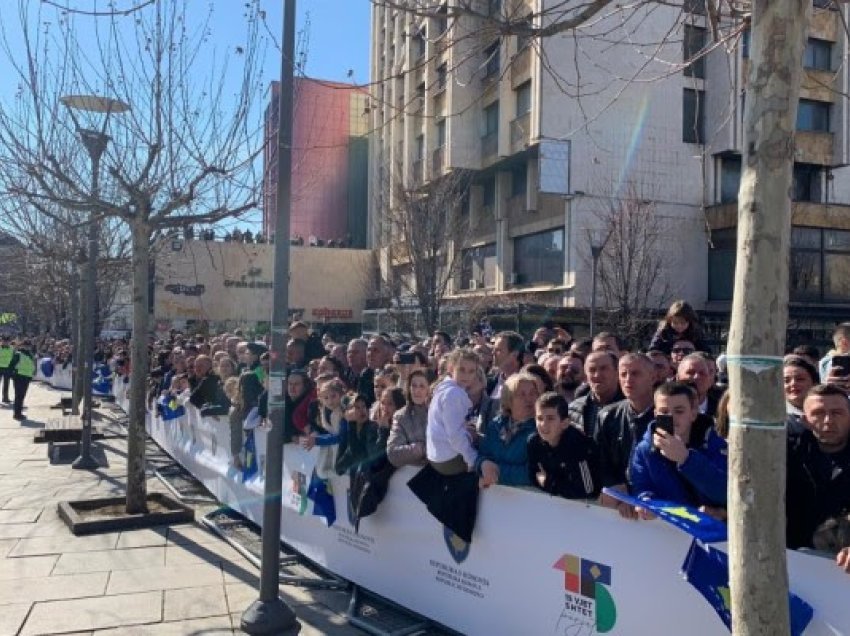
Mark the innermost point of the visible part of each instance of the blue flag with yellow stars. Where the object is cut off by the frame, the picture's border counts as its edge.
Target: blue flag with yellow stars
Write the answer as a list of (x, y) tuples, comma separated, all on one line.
[(697, 524), (250, 466), (707, 569)]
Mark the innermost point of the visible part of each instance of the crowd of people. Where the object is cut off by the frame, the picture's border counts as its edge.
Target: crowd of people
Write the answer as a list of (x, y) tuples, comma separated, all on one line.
[(565, 416)]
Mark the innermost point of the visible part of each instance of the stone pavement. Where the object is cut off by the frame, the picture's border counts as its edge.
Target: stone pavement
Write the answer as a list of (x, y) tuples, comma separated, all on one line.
[(177, 580)]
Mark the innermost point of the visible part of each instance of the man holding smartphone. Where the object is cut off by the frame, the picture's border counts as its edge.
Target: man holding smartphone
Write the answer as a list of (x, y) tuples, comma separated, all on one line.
[(681, 458), (834, 367)]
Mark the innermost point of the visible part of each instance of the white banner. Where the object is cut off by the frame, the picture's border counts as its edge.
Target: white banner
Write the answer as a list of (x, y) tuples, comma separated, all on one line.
[(515, 577)]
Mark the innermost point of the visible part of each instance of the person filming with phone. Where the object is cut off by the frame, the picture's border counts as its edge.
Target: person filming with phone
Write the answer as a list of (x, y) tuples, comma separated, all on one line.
[(681, 458)]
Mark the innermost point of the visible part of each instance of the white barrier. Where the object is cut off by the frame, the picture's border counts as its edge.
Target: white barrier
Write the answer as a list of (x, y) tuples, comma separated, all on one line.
[(61, 378), (511, 580)]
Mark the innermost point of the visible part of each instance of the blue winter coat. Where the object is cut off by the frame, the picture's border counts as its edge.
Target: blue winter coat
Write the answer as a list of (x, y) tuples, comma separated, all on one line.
[(512, 457), (700, 480)]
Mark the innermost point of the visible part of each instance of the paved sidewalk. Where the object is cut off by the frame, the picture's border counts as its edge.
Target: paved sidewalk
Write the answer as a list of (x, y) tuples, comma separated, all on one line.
[(177, 580)]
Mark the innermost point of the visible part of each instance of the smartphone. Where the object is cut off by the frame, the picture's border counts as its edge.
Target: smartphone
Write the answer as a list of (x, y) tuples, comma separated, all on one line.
[(842, 363), (665, 423), (406, 357)]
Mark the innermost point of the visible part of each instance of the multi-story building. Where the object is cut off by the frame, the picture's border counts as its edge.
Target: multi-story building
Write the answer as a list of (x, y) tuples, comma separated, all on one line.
[(563, 133), (329, 162)]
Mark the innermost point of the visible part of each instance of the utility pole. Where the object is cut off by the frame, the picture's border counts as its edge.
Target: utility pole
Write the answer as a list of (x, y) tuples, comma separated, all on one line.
[(757, 438), (270, 614)]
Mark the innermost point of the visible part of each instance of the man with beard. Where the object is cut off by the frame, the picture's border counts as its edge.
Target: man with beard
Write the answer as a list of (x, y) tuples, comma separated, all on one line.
[(601, 371), (569, 375)]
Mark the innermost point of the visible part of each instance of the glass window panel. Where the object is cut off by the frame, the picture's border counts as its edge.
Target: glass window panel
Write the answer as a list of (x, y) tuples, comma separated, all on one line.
[(721, 273), (539, 258), (818, 55), (730, 178), (836, 239), (808, 237), (692, 44), (836, 286), (813, 116), (693, 116), (805, 275), (523, 99)]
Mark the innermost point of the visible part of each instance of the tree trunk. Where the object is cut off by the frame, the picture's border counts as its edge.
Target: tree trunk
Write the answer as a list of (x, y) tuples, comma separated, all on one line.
[(757, 438), (136, 478)]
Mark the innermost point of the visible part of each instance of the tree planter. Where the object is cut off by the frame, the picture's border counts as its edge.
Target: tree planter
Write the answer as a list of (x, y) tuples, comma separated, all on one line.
[(89, 516)]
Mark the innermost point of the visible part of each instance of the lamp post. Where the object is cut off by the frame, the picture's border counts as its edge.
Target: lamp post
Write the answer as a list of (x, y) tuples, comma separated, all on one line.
[(269, 614), (95, 142), (597, 240)]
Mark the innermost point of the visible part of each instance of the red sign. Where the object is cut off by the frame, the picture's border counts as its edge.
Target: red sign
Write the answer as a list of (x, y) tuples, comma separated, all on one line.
[(327, 313)]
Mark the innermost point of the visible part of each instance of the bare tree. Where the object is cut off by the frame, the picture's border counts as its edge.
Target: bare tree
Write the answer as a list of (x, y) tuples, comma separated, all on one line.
[(184, 153), (635, 265), (430, 227)]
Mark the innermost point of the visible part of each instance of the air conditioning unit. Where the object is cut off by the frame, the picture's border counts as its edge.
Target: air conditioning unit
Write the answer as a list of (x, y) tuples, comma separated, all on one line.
[(474, 284)]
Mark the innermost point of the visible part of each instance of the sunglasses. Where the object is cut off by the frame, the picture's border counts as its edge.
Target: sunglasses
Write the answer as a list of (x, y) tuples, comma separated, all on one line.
[(685, 350)]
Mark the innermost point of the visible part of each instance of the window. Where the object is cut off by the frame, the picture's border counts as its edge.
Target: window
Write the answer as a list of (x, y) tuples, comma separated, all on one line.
[(519, 181), (490, 120), (693, 116), (692, 45), (441, 22), (492, 63), (818, 55), (488, 194), (441, 133), (442, 75), (523, 99), (478, 267), (494, 7), (420, 147), (730, 178), (419, 44), (819, 265), (813, 116), (696, 7), (745, 44), (807, 182), (721, 265), (539, 258)]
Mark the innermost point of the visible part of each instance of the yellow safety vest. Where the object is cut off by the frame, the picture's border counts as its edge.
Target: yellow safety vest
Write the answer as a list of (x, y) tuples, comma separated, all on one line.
[(25, 366), (6, 354)]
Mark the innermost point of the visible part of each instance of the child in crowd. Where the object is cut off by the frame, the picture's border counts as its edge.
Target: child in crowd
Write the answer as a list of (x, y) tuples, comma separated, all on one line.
[(448, 442), (361, 440), (561, 459), (680, 323), (236, 416), (326, 429)]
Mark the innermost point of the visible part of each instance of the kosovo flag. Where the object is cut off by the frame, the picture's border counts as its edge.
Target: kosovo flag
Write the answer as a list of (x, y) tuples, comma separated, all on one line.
[(707, 569), (697, 524), (250, 468), (323, 500)]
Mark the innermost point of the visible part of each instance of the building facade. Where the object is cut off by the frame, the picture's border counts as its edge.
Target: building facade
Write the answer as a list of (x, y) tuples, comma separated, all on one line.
[(564, 134), (329, 162)]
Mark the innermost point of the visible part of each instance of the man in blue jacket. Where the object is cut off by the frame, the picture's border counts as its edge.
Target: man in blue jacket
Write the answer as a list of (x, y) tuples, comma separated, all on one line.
[(688, 466)]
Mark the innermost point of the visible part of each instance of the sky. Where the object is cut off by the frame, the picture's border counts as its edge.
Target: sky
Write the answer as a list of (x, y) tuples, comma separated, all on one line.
[(337, 34)]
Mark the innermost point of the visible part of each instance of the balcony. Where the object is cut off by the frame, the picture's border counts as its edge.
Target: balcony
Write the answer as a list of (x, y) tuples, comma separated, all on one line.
[(520, 133), (521, 67), (813, 147), (807, 213), (489, 145), (438, 161)]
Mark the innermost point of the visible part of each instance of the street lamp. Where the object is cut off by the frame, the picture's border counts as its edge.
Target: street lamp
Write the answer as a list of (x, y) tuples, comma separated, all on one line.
[(95, 142), (597, 239), (269, 614)]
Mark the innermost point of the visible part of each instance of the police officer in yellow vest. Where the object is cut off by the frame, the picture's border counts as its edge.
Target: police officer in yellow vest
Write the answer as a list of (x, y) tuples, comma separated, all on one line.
[(23, 365), (6, 353)]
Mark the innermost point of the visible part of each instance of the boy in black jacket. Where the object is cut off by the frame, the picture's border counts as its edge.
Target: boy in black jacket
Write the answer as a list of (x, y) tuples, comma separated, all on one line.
[(561, 459)]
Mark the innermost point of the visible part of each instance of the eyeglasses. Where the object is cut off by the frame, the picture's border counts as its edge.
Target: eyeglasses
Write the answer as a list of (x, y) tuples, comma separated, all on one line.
[(685, 350)]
